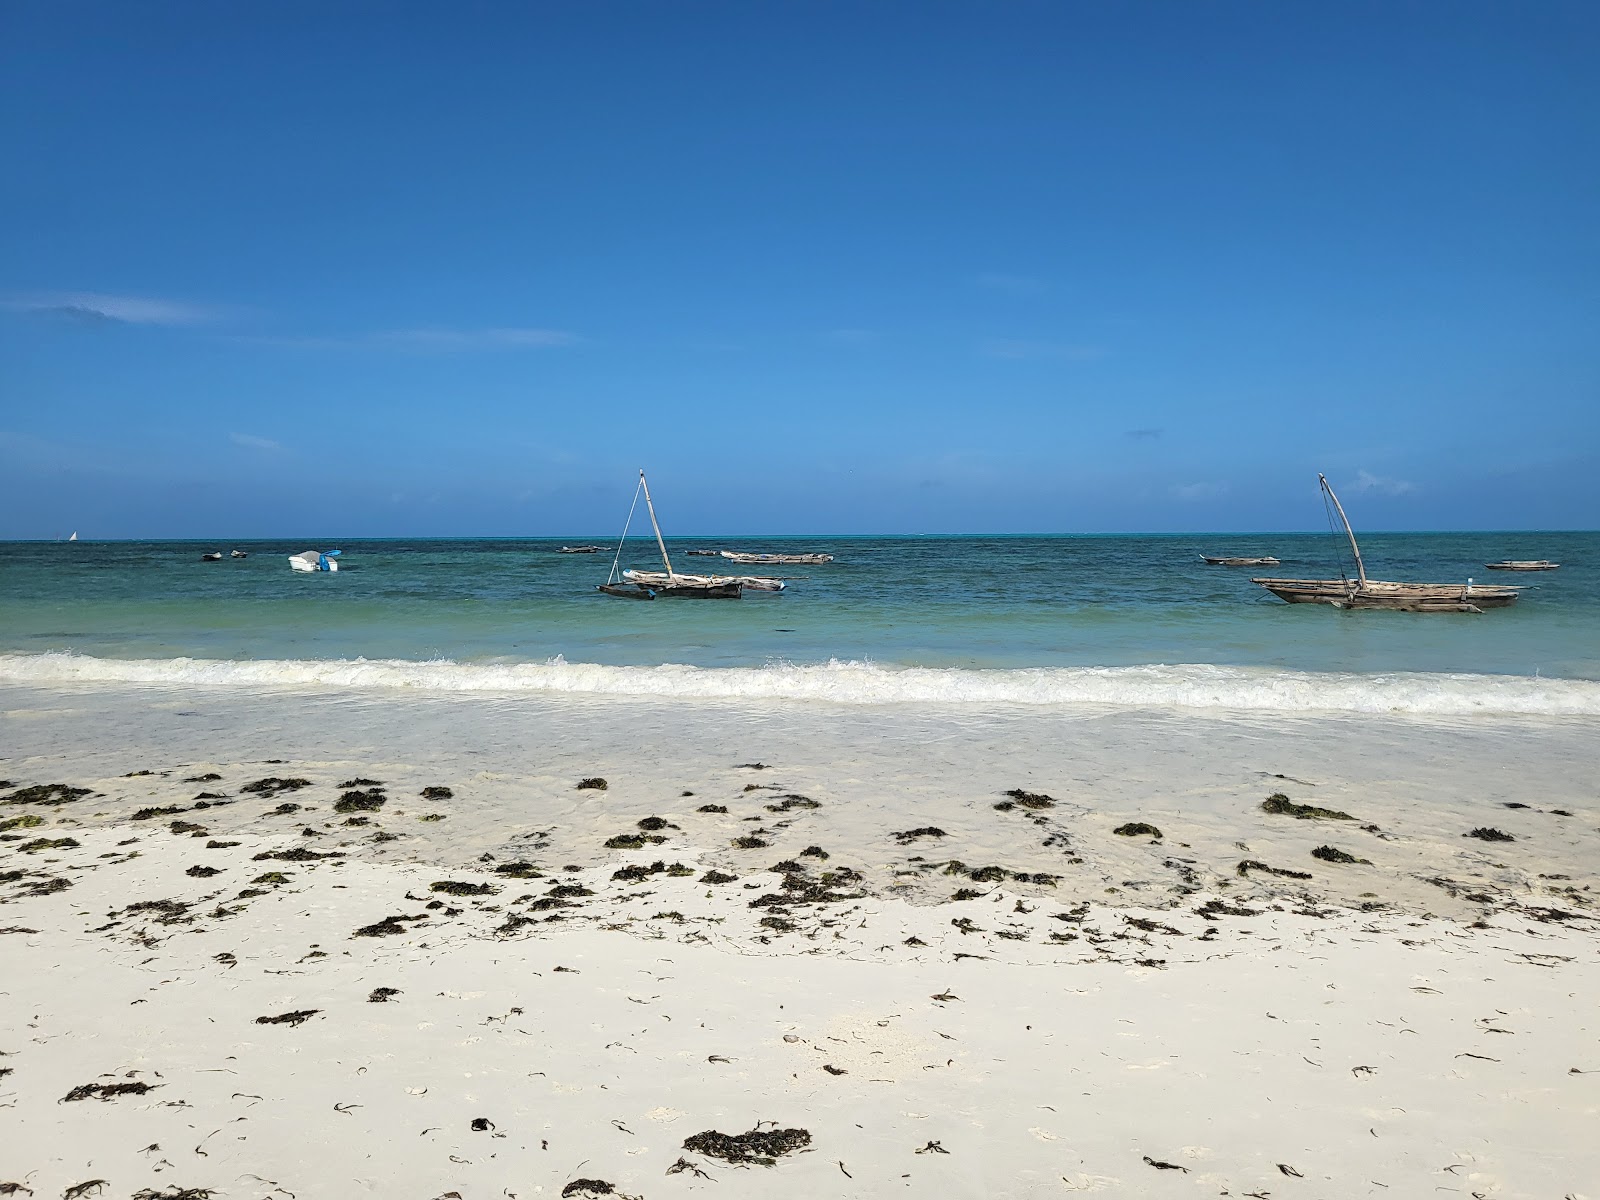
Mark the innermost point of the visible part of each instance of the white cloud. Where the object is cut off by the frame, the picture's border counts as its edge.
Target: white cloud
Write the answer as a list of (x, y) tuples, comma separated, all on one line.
[(121, 310), (1022, 348), (1366, 481), (255, 443), (1200, 491)]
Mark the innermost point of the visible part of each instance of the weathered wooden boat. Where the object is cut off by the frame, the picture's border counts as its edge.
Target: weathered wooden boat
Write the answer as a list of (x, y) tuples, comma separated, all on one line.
[(703, 553), (760, 583), (211, 556), (1523, 564), (581, 550), (1220, 561), (668, 585), (738, 557), (1362, 592)]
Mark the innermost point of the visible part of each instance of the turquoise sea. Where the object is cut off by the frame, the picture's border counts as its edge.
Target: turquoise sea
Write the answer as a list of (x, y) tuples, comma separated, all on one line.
[(894, 602)]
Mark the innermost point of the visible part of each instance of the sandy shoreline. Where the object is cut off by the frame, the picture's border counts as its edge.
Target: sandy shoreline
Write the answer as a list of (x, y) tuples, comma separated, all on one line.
[(1421, 1022)]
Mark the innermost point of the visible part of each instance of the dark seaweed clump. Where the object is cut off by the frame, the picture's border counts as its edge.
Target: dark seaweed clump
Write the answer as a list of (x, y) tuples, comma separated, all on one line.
[(208, 777), (1333, 855), (1212, 909), (38, 844), (785, 803), (654, 823), (712, 808), (187, 827), (437, 793), (588, 1188), (451, 888), (592, 783), (1251, 864), (298, 1017), (633, 841), (1137, 829), (203, 872), (750, 843), (761, 1147), (25, 821), (150, 814), (107, 1091), (638, 871), (53, 794), (1032, 800), (360, 802), (519, 870), (906, 836), (814, 852), (715, 876), (1487, 834), (272, 785), (296, 854), (1280, 805), (359, 782), (174, 1192), (388, 927), (567, 891), (284, 809), (382, 995)]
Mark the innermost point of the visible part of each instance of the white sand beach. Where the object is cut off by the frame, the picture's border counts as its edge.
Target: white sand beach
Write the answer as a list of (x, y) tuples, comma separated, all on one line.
[(1130, 1014)]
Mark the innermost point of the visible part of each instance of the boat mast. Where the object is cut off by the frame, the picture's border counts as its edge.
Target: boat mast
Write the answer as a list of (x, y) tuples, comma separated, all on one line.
[(1361, 570), (654, 524)]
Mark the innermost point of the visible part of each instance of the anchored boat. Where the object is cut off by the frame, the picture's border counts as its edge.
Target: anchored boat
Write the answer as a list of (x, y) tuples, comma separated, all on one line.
[(1523, 564), (1218, 561), (633, 585), (1362, 592), (736, 556)]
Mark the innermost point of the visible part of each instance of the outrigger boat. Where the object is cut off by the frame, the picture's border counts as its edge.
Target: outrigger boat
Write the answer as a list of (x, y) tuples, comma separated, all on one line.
[(581, 550), (1523, 564), (1218, 561), (1362, 592), (628, 586), (736, 556)]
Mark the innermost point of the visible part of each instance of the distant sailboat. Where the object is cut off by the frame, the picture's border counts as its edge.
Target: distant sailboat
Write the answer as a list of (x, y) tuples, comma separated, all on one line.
[(629, 585), (1362, 592), (74, 536)]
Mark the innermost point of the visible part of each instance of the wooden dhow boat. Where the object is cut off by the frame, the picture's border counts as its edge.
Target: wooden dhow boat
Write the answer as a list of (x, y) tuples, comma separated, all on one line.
[(1220, 561), (738, 557), (1362, 592), (759, 583), (1523, 564), (630, 585)]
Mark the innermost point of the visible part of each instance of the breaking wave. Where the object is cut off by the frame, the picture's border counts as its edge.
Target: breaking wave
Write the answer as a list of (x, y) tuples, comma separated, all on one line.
[(1197, 686)]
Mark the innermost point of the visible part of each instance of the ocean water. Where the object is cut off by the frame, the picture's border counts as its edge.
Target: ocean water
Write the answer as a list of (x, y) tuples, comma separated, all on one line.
[(1003, 619)]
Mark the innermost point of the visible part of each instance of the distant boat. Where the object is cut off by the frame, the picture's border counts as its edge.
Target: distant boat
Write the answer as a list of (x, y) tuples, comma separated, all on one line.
[(315, 560), (670, 585), (1523, 564), (1216, 561), (580, 550), (238, 554), (1362, 592), (703, 553), (212, 556), (735, 556), (74, 536)]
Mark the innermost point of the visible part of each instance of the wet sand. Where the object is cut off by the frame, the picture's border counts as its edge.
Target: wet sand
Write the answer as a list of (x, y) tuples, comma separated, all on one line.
[(942, 962)]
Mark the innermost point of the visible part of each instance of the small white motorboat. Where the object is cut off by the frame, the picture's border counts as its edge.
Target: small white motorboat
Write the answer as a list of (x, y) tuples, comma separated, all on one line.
[(315, 560)]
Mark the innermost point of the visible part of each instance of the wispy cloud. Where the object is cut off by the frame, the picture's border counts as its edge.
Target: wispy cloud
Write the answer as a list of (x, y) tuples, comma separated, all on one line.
[(254, 442), (434, 340), (103, 308), (1366, 481), (1200, 491), (1017, 285), (1143, 435), (1022, 348)]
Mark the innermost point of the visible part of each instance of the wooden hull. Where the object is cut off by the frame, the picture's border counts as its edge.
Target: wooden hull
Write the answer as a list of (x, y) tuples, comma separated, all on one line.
[(673, 591), (627, 591), (1402, 597), (734, 556), (1239, 562), (1522, 565), (659, 579)]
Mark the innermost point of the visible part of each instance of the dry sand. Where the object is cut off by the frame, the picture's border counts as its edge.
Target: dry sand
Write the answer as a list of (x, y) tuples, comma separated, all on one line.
[(1102, 1012)]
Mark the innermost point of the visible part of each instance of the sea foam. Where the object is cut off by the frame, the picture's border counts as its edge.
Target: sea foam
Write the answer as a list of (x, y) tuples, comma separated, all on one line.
[(1194, 686)]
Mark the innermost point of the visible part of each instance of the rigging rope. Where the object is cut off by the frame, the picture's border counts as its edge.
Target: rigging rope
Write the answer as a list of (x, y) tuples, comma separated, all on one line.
[(612, 578), (1333, 532)]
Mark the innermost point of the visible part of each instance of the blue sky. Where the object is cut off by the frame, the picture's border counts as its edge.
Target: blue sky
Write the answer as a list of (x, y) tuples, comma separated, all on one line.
[(390, 269)]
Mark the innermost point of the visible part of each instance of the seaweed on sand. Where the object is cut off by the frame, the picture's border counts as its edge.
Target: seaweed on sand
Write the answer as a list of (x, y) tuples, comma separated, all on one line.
[(271, 877), (298, 1017), (360, 782), (1030, 800), (566, 891), (760, 1147), (634, 841), (592, 784), (285, 809), (451, 887), (1483, 833), (294, 854), (200, 872), (107, 1091), (815, 852), (653, 823), (750, 843), (168, 912), (519, 870), (1212, 909), (382, 995), (592, 1189), (715, 876), (208, 777), (51, 794), (187, 827), (25, 821), (173, 1192), (1251, 864), (150, 814), (1334, 855), (712, 808), (906, 836), (272, 785), (1137, 829), (791, 801), (370, 801), (388, 927), (968, 894), (638, 871), (1280, 805), (38, 844)]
